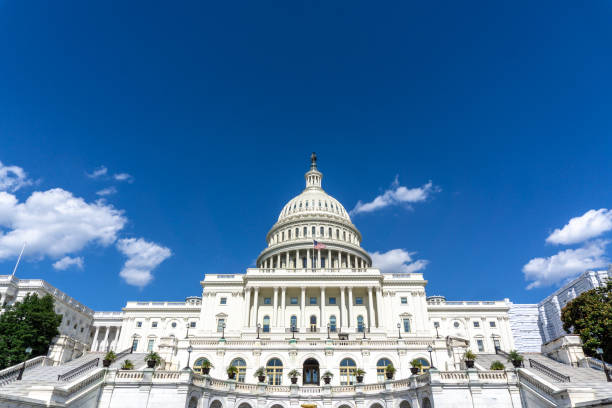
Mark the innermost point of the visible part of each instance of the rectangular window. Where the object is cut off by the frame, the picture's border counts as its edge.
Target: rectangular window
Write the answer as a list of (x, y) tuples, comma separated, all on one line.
[(359, 300), (150, 345), (406, 325), (192, 324), (332, 300), (492, 324), (134, 344), (154, 324), (404, 301), (220, 325), (476, 324), (223, 301), (313, 300), (480, 345), (138, 324), (267, 301), (293, 301)]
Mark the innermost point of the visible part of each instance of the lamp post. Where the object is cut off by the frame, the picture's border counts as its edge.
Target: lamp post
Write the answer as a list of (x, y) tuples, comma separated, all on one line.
[(189, 350), (187, 335), (399, 331), (327, 331), (364, 330), (293, 329), (430, 349), (258, 327), (437, 334), (28, 350), (222, 331), (599, 351)]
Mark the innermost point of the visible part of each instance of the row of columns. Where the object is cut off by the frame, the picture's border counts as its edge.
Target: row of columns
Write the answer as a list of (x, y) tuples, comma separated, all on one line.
[(251, 317), (313, 260), (105, 344)]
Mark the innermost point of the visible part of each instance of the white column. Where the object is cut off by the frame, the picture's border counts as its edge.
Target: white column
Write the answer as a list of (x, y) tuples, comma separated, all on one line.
[(116, 341), (318, 258), (371, 307), (106, 338), (342, 308), (323, 322), (247, 306), (349, 309), (255, 307), (308, 259), (303, 309), (287, 260), (283, 307), (275, 311), (378, 307), (278, 264), (297, 259), (95, 344), (328, 263)]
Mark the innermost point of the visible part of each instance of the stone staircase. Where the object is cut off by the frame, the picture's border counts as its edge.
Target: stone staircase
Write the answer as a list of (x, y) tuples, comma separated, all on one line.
[(579, 377)]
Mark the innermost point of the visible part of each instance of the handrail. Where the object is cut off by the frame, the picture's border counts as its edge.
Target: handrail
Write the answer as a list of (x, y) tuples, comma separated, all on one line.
[(78, 370), (548, 371), (10, 374), (123, 353)]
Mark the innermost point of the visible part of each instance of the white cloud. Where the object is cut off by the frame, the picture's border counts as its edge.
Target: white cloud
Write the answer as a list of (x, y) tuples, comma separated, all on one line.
[(66, 262), (589, 225), (123, 177), (99, 172), (565, 264), (12, 178), (397, 261), (143, 257), (396, 195), (55, 223), (107, 191)]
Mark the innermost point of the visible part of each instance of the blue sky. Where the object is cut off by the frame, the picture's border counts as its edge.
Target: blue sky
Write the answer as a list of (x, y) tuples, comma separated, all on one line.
[(204, 115)]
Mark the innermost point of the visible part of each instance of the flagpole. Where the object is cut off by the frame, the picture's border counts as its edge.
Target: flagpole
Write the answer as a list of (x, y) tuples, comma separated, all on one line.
[(18, 259)]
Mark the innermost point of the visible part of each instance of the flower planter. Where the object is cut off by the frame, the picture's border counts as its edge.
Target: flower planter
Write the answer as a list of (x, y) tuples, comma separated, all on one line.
[(469, 363), (151, 363), (206, 370), (360, 379), (389, 376), (261, 378), (293, 380), (231, 376), (327, 380), (106, 363), (414, 370), (516, 364)]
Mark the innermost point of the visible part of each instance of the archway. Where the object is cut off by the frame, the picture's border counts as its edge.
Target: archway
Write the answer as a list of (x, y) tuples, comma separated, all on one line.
[(310, 372), (244, 405), (404, 404), (426, 403), (193, 402)]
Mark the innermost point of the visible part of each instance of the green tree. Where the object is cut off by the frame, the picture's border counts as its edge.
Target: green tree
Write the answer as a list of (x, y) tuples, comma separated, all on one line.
[(590, 316), (30, 323)]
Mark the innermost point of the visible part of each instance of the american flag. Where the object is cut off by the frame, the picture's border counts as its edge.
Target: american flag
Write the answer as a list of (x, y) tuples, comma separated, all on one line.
[(318, 245)]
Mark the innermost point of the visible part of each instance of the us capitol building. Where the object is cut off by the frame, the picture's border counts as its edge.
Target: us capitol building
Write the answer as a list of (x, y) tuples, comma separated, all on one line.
[(315, 303)]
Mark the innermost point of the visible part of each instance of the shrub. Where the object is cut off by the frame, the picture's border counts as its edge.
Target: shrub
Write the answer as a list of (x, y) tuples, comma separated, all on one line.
[(497, 365)]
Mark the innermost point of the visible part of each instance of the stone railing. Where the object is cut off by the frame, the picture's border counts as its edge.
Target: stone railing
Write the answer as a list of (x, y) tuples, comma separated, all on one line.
[(493, 376), (594, 363), (408, 341), (541, 386), (10, 374)]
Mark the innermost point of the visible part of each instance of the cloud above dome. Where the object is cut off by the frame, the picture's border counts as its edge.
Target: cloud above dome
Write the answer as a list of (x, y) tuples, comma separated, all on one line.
[(397, 261), (395, 196)]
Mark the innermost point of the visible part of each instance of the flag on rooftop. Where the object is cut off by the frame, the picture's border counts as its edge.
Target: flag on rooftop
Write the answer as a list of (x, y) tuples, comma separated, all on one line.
[(318, 245)]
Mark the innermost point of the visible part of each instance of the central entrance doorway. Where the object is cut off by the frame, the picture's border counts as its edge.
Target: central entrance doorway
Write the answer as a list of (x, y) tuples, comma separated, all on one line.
[(311, 372)]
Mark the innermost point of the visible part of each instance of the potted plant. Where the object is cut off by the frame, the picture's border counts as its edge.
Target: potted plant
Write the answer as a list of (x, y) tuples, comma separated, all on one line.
[(108, 359), (327, 376), (497, 365), (294, 374), (415, 366), (206, 366), (152, 359), (390, 371), (231, 372), (127, 365), (515, 358), (469, 358), (260, 373), (359, 374)]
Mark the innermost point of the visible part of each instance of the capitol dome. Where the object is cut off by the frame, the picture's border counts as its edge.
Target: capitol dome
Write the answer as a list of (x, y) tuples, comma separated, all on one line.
[(313, 217)]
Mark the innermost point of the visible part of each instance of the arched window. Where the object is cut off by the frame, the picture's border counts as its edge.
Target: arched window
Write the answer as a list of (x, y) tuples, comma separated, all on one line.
[(288, 234), (337, 234), (266, 324), (344, 235), (283, 235), (313, 230), (293, 321), (274, 371), (305, 231), (240, 364), (424, 365), (313, 323), (347, 371), (321, 231), (197, 366), (329, 232), (297, 232), (381, 367), (360, 327), (332, 323)]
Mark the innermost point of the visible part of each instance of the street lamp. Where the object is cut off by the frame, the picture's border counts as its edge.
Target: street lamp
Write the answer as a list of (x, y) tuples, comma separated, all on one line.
[(364, 330), (222, 331), (293, 330), (430, 349), (258, 327), (437, 334), (599, 351), (28, 350), (189, 350), (187, 335), (327, 331), (399, 331)]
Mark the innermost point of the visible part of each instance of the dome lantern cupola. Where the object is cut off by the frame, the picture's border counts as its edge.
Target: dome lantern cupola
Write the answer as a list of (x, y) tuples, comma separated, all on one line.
[(313, 176)]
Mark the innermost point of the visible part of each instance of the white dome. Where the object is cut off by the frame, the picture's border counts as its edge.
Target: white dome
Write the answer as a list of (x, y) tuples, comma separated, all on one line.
[(313, 202)]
